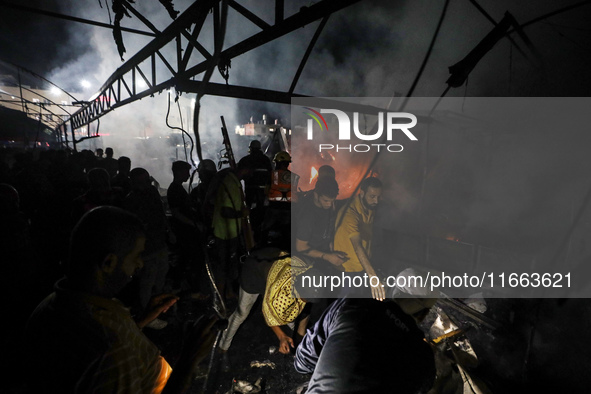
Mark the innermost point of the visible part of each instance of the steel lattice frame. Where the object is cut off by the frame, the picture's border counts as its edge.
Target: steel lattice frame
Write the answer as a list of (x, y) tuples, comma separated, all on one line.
[(157, 73)]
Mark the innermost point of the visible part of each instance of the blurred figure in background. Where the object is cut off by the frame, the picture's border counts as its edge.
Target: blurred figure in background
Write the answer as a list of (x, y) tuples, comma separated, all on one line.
[(206, 170), (109, 163), (99, 193), (183, 225), (145, 202), (121, 180), (277, 224), (256, 183)]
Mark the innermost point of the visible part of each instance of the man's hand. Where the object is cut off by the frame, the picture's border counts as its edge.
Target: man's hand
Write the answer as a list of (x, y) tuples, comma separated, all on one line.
[(336, 258), (377, 292), (285, 344), (157, 305)]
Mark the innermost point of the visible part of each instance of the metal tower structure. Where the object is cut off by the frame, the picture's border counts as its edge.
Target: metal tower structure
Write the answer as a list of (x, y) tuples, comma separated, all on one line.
[(149, 71)]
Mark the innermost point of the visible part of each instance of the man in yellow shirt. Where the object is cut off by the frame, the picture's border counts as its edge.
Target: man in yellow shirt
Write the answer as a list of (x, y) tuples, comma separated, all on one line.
[(228, 213), (354, 232)]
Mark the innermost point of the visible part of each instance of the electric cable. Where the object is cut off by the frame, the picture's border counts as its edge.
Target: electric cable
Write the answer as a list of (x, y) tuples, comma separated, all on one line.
[(108, 10), (427, 56), (178, 128), (567, 27), (553, 13), (562, 35), (183, 127), (219, 37)]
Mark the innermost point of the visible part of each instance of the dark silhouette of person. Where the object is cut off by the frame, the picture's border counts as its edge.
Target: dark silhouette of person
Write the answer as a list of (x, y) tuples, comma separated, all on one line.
[(368, 346), (228, 218), (145, 201), (256, 184), (82, 339), (183, 225), (207, 171), (109, 163), (99, 193), (121, 180)]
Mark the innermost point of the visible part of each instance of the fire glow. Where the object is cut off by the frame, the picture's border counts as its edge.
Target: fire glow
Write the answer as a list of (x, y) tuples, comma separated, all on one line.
[(313, 174), (453, 238)]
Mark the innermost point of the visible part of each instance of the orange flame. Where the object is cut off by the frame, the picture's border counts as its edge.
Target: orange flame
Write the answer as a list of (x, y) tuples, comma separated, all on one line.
[(313, 174), (327, 156), (452, 238)]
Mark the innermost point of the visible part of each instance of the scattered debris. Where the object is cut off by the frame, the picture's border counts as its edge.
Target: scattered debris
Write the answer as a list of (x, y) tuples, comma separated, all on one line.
[(476, 302), (472, 384), (245, 387), (447, 335), (463, 353), (260, 364), (442, 325)]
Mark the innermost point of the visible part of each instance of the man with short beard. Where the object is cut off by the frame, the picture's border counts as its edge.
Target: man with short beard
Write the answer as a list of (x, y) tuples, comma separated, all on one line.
[(315, 224), (354, 232), (81, 339)]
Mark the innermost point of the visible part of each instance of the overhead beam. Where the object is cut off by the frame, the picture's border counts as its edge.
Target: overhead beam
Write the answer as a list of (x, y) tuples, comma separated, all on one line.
[(184, 21), (274, 96), (305, 16), (110, 96), (234, 91), (248, 15)]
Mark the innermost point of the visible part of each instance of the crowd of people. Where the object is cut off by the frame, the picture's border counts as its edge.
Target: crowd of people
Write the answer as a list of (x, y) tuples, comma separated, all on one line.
[(78, 228)]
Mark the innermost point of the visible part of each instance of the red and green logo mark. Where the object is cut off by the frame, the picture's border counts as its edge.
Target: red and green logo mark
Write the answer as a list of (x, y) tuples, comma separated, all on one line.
[(315, 115)]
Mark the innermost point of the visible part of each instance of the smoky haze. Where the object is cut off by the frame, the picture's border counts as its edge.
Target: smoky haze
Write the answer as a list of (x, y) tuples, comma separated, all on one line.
[(370, 49)]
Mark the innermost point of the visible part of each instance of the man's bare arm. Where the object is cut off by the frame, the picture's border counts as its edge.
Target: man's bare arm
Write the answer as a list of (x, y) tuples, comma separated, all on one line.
[(335, 258), (285, 342), (378, 291)]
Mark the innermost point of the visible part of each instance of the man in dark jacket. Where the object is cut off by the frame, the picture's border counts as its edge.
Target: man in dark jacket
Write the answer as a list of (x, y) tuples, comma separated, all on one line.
[(367, 346), (256, 184)]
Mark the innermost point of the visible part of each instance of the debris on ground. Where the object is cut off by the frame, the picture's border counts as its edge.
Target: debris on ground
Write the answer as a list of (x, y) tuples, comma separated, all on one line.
[(260, 364), (245, 387)]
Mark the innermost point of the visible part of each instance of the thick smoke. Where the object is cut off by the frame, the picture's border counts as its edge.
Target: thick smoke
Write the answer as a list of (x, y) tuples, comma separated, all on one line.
[(371, 49), (139, 130)]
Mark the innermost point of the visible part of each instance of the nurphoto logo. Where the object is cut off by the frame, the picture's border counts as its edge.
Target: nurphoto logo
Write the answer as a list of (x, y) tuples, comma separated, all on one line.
[(394, 122)]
